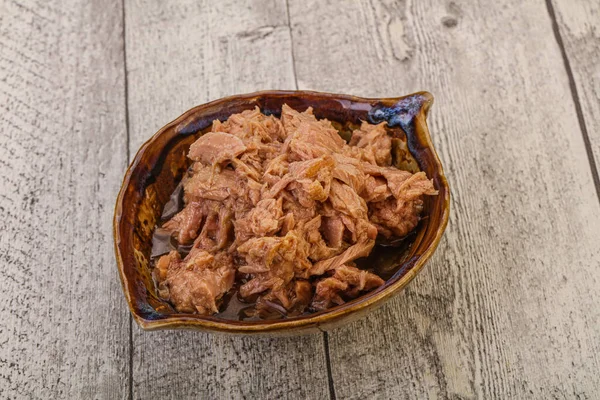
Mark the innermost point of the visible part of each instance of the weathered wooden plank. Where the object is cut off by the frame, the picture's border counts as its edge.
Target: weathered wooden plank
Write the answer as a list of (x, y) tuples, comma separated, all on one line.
[(191, 52), (180, 55), (65, 326), (578, 24), (508, 306)]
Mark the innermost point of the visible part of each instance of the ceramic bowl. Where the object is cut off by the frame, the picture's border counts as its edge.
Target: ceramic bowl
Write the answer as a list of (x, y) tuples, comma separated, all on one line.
[(161, 162)]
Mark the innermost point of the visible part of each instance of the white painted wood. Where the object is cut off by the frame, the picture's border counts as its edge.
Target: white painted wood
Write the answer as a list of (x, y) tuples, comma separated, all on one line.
[(181, 54), (64, 325), (579, 28), (508, 307)]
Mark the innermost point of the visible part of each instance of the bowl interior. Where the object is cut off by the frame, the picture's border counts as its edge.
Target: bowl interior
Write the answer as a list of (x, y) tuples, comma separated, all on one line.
[(161, 163)]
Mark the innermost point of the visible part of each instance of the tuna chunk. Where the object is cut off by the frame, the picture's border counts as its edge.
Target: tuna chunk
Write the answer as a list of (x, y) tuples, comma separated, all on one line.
[(318, 247), (375, 189), (252, 125), (263, 220), (291, 205), (292, 119), (215, 148), (308, 137), (197, 283), (345, 200), (309, 181), (186, 224), (272, 262), (360, 249), (207, 183), (346, 283), (277, 166), (375, 143), (406, 186), (333, 230), (396, 219), (349, 171), (398, 215), (297, 294)]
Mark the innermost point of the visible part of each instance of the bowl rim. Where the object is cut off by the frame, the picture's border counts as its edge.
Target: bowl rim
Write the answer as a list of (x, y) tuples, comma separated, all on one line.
[(371, 299)]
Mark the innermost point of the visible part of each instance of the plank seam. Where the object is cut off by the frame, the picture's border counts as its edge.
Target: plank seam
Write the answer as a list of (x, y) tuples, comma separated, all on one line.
[(128, 151), (130, 357), (289, 23), (126, 84), (575, 95), (328, 363)]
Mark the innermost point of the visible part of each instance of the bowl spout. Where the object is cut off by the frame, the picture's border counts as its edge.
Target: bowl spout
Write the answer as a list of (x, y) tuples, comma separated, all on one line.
[(403, 112)]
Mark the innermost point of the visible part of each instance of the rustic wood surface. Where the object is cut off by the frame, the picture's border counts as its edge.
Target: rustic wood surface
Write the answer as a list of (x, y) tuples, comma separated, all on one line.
[(508, 306), (64, 330), (577, 28)]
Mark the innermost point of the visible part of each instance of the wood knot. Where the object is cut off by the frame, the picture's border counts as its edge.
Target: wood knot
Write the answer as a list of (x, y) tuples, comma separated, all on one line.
[(449, 22)]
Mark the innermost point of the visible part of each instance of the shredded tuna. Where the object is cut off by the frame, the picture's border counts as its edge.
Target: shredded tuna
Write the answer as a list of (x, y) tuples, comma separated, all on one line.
[(284, 206), (346, 283), (375, 143), (185, 224), (197, 283), (216, 147)]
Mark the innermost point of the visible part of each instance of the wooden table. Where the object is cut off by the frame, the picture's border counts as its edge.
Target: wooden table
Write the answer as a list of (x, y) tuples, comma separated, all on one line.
[(509, 307)]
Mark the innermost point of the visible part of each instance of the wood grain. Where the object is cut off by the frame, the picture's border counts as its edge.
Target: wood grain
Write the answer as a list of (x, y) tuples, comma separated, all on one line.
[(578, 24), (508, 306), (64, 329), (506, 309), (180, 55)]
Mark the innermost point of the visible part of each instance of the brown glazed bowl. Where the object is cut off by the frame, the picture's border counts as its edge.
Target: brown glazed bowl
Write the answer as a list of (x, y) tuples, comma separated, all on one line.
[(161, 162)]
